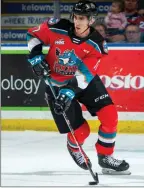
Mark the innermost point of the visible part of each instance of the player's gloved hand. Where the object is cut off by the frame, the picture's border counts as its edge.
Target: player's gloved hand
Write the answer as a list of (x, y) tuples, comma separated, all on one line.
[(39, 66), (63, 101)]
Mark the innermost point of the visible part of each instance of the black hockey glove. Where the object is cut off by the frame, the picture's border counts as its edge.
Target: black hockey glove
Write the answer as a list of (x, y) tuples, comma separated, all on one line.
[(63, 101), (39, 66)]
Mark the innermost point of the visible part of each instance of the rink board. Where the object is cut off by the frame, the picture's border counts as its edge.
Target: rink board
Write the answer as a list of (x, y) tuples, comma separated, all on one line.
[(129, 121), (42, 121), (49, 125)]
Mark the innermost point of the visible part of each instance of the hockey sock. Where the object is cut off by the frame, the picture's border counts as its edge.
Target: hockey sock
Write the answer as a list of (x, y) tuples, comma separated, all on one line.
[(81, 134), (107, 130)]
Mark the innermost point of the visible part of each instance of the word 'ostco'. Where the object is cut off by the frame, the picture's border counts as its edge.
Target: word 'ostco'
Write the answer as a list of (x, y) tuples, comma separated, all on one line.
[(126, 82)]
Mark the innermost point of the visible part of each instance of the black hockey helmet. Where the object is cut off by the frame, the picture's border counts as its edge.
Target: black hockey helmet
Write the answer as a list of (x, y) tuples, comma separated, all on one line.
[(86, 8)]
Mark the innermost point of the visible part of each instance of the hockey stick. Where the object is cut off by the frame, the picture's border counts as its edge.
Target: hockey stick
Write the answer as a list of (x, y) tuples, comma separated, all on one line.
[(95, 176)]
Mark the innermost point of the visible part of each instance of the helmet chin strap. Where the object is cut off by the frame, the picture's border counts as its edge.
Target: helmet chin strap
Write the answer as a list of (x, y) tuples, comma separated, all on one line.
[(85, 30)]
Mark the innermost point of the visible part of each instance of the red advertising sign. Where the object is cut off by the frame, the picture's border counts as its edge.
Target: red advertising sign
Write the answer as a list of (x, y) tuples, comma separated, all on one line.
[(122, 72)]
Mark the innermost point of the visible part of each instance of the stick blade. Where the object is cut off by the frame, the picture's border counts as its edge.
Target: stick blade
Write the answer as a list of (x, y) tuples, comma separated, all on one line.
[(93, 183)]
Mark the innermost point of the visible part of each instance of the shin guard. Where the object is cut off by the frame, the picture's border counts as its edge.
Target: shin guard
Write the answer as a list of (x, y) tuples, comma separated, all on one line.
[(81, 134), (107, 130)]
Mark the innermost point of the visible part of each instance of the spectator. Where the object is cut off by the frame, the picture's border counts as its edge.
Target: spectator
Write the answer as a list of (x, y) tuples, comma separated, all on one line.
[(132, 13), (132, 34), (101, 28), (141, 7), (116, 20), (133, 17), (141, 12)]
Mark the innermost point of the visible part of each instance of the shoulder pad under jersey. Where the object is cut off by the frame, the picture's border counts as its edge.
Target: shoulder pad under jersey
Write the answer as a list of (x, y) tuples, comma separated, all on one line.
[(60, 24), (97, 39)]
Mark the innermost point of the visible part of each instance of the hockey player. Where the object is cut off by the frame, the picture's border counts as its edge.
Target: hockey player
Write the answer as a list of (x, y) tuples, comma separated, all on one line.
[(75, 51)]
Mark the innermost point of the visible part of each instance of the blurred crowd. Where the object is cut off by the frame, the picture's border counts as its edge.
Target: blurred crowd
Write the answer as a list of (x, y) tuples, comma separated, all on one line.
[(124, 23)]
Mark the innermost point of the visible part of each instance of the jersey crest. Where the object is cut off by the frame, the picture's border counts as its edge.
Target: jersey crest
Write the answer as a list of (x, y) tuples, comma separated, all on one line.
[(66, 62)]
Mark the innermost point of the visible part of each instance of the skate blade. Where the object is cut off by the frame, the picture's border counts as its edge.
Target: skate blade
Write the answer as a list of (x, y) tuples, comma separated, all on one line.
[(113, 172)]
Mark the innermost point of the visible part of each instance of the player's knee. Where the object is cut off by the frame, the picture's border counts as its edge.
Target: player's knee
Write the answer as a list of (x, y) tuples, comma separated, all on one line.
[(81, 133), (108, 117)]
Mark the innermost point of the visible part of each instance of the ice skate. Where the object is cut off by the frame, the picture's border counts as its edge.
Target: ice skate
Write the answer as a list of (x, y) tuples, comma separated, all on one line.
[(113, 166), (78, 157)]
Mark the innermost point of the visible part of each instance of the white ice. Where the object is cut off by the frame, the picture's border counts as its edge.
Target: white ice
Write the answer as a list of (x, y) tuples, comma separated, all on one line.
[(31, 158)]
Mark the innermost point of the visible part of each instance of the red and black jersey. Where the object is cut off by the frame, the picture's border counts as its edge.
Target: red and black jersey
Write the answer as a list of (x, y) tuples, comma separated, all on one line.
[(69, 55), (136, 19)]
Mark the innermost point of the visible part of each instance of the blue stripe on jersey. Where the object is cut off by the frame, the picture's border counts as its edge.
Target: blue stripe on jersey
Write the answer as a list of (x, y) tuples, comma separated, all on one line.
[(29, 37), (84, 70), (59, 83), (107, 135), (60, 31), (95, 45)]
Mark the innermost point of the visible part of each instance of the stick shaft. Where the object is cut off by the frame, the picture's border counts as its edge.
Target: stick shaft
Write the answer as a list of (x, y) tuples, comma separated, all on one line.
[(72, 132)]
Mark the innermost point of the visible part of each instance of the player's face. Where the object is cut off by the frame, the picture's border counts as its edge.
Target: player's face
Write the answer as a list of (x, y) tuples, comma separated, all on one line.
[(81, 23)]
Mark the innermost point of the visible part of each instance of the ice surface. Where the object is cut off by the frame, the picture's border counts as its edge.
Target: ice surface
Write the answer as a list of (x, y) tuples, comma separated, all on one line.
[(31, 158)]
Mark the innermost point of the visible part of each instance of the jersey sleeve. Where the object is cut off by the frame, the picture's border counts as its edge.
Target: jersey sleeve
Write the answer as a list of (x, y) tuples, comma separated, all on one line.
[(38, 35), (41, 34)]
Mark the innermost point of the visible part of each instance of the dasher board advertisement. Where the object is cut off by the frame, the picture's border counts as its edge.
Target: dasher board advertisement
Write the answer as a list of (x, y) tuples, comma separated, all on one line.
[(122, 72), (17, 7), (19, 86)]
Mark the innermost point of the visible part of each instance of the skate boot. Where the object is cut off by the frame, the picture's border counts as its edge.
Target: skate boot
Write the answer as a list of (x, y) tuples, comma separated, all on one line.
[(78, 157), (110, 165)]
